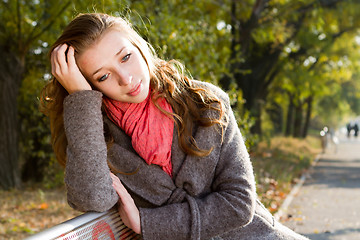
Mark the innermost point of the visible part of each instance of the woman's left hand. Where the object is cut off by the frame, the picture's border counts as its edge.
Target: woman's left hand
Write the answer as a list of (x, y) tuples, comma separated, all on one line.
[(128, 211)]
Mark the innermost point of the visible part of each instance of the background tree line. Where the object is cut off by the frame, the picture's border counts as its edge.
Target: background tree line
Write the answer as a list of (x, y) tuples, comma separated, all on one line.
[(286, 64)]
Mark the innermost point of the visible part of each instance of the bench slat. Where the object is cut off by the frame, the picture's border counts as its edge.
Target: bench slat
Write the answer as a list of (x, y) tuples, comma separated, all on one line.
[(101, 226)]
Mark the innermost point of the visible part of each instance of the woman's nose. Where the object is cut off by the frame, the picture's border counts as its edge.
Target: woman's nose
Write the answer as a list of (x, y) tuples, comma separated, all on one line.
[(124, 78)]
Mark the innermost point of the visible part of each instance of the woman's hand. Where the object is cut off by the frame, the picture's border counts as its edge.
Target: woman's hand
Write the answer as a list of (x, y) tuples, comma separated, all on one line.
[(66, 71), (128, 211)]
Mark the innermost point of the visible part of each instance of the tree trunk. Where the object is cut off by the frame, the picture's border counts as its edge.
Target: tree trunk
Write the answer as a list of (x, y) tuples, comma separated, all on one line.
[(228, 78), (289, 116), (11, 70), (309, 101), (34, 166), (256, 113), (298, 120), (275, 112)]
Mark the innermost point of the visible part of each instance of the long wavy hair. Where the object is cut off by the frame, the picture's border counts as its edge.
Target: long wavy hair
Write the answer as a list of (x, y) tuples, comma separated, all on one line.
[(167, 79)]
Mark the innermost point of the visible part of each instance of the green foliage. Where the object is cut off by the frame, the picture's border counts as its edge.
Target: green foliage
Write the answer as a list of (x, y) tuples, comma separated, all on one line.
[(318, 61), (318, 45), (28, 28), (189, 34), (244, 120), (35, 146), (245, 123), (54, 177)]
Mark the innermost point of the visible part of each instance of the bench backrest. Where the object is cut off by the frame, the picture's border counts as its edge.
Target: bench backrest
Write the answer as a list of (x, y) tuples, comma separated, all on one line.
[(91, 225)]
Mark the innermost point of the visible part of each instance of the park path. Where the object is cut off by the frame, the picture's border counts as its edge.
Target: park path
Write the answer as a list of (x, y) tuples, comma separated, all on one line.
[(327, 206)]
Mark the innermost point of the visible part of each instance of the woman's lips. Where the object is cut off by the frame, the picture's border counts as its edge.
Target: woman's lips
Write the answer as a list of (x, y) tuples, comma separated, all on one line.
[(136, 90)]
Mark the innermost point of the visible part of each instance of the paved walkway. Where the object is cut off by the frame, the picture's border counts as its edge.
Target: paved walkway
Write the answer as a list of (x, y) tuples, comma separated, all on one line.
[(327, 206)]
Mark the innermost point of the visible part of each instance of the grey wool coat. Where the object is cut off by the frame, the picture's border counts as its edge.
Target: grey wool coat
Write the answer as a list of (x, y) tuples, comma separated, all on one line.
[(212, 197)]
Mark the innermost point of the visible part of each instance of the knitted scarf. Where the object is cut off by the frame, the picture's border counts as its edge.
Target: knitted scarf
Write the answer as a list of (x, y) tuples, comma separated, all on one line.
[(150, 130)]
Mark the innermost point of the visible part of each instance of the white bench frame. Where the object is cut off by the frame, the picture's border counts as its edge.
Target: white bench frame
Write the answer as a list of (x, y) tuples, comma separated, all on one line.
[(91, 225)]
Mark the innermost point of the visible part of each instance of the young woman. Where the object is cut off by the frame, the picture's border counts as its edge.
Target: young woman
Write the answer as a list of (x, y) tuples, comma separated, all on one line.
[(180, 169)]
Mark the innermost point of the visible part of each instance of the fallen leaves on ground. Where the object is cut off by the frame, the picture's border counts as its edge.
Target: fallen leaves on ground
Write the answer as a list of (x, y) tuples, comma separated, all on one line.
[(25, 212), (278, 164), (277, 167)]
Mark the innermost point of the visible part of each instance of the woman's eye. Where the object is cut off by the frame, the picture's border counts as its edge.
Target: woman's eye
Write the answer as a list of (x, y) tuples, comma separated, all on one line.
[(104, 77), (127, 56)]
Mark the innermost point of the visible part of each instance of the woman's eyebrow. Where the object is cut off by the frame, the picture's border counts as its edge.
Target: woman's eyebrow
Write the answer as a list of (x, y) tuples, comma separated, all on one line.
[(98, 70)]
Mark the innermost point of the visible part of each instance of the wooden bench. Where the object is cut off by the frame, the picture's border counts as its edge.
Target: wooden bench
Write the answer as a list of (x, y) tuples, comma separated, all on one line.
[(100, 226)]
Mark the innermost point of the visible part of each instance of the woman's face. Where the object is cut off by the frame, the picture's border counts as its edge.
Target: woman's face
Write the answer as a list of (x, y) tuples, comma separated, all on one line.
[(116, 67)]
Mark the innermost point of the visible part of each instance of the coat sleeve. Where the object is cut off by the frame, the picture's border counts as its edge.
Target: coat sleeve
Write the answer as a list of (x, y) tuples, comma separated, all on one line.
[(87, 178), (230, 205)]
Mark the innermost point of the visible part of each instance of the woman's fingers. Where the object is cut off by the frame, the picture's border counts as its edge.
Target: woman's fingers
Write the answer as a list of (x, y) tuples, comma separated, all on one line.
[(58, 60), (53, 58), (128, 211), (65, 69), (71, 57), (124, 195), (119, 187)]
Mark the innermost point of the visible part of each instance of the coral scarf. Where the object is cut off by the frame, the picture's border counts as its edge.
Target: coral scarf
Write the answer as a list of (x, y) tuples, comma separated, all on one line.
[(150, 130)]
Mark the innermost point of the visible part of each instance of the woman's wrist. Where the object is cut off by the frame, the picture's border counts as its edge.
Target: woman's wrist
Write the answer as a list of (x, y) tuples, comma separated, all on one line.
[(78, 89)]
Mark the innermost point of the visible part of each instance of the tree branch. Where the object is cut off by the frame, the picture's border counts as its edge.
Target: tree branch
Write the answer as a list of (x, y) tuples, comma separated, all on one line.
[(247, 27), (348, 29), (6, 5), (19, 30), (34, 36), (271, 78), (289, 10)]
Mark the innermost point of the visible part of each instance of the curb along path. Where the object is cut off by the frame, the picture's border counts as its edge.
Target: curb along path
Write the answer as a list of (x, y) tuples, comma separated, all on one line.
[(327, 205)]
